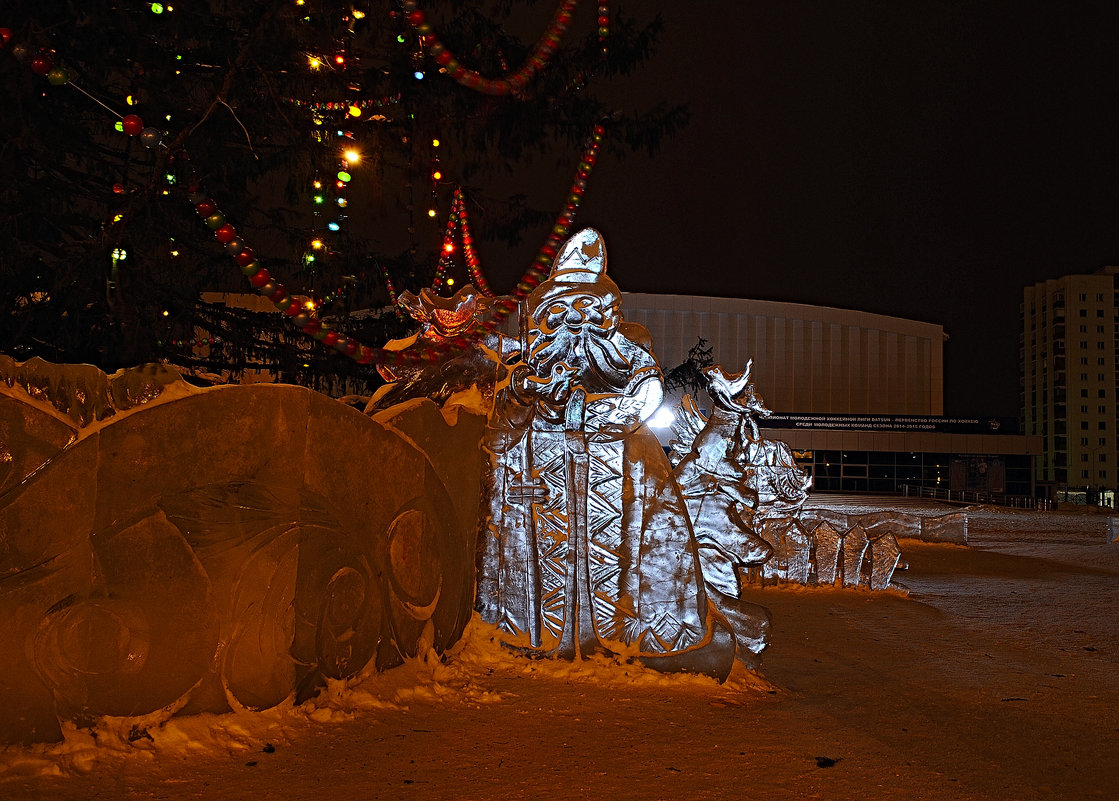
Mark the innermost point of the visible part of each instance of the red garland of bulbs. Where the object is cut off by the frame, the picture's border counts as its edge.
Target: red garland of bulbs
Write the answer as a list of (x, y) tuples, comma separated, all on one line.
[(263, 281), (275, 291), (458, 219), (447, 248), (510, 83), (468, 251)]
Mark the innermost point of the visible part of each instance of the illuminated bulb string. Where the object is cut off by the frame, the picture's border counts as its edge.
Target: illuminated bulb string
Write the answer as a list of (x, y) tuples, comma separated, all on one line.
[(263, 281), (459, 218), (469, 254), (603, 24), (393, 297), (508, 84), (314, 327), (447, 249)]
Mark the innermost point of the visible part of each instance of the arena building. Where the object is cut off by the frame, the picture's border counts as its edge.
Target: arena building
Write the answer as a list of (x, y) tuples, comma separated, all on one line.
[(858, 396)]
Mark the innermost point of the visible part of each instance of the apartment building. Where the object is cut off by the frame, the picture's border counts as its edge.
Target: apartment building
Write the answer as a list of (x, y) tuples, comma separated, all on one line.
[(1068, 346)]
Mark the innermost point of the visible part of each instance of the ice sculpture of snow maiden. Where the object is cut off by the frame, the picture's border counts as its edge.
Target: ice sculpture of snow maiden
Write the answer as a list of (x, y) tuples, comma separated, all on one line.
[(167, 549)]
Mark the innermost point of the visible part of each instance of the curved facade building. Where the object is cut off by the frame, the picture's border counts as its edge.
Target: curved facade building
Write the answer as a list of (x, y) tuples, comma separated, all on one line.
[(858, 396), (810, 359)]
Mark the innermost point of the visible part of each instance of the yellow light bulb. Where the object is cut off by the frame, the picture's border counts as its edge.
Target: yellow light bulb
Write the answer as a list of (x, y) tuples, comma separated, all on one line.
[(314, 62), (435, 143), (352, 156), (431, 212), (355, 111), (450, 282), (437, 175), (316, 244)]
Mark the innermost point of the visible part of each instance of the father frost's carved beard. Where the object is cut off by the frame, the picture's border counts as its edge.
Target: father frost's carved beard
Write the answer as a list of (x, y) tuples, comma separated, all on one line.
[(599, 364)]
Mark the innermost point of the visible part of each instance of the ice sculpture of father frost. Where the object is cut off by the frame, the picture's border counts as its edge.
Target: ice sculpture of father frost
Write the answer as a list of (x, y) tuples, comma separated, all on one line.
[(587, 546)]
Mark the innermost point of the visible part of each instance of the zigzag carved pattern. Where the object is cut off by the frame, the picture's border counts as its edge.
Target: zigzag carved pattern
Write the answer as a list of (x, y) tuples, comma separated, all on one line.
[(551, 529), (609, 620)]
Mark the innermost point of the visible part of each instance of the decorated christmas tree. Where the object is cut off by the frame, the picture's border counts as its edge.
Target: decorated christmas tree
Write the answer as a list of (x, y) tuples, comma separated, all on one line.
[(156, 155)]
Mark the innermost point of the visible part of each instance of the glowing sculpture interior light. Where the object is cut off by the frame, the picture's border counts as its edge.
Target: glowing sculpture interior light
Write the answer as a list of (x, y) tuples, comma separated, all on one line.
[(587, 546)]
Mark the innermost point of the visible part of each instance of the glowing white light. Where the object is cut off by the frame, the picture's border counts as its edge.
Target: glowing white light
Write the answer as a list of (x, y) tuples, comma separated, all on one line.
[(662, 418)]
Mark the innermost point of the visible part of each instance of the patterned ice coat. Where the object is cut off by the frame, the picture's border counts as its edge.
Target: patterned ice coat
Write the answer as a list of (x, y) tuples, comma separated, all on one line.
[(587, 545)]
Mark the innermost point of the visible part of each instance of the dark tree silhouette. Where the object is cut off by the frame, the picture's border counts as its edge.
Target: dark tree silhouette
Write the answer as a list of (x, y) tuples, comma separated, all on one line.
[(104, 259)]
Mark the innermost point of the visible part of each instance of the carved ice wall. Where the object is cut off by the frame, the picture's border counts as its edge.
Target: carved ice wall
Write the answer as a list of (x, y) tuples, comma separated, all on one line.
[(220, 548)]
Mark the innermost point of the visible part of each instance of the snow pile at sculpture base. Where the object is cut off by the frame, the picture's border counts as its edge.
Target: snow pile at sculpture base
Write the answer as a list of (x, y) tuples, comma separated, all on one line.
[(451, 679)]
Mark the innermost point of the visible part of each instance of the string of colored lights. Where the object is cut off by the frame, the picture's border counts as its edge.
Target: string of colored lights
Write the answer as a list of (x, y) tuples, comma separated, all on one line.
[(197, 342), (304, 319), (510, 83), (393, 296), (329, 201), (43, 64), (446, 250), (603, 24), (346, 106), (469, 254)]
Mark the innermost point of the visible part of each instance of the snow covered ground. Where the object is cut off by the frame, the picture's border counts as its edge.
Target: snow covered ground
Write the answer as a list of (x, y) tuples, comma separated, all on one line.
[(996, 677)]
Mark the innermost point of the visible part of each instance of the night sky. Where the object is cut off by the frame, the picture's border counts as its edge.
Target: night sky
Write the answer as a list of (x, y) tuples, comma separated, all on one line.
[(919, 159)]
